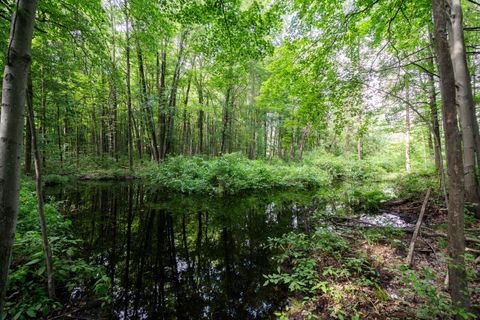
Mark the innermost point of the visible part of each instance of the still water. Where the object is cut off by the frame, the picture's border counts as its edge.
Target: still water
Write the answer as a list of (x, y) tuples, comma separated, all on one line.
[(173, 256)]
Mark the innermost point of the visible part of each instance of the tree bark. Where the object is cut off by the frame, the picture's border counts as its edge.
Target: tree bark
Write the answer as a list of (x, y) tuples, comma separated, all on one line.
[(456, 238), (185, 139), (434, 119), (464, 100), (408, 162), (146, 104), (38, 184), (28, 147), (129, 91), (18, 59), (226, 121), (161, 74), (305, 131), (173, 96)]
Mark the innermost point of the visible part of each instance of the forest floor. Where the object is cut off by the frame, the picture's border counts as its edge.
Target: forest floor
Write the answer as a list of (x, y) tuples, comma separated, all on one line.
[(391, 290)]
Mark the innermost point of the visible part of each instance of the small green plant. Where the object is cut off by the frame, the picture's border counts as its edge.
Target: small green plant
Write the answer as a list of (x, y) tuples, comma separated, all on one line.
[(27, 296), (434, 304)]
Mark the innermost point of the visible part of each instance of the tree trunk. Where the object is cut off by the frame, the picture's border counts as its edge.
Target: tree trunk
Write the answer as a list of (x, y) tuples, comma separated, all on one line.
[(161, 74), (173, 97), (360, 147), (456, 238), (435, 124), (408, 163), (38, 184), (201, 114), (18, 59), (113, 86), (184, 129), (226, 121), (146, 104), (305, 131), (129, 91), (28, 147), (464, 100), (43, 124)]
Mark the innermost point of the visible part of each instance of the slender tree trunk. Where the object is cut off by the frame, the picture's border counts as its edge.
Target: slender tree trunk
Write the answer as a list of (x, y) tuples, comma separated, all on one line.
[(113, 85), (38, 183), (173, 97), (226, 121), (464, 100), (184, 129), (305, 131), (434, 115), (28, 147), (43, 124), (18, 59), (456, 239), (59, 137), (360, 147), (161, 74), (129, 91), (408, 163), (146, 104), (201, 114)]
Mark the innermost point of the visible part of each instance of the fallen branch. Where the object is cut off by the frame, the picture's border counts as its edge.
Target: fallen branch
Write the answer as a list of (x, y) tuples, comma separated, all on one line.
[(417, 229)]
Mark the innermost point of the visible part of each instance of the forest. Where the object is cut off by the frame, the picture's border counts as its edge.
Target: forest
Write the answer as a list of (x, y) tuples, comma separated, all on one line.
[(240, 159)]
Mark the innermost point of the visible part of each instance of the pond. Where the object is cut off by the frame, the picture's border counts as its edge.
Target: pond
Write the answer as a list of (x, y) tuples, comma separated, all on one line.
[(173, 256)]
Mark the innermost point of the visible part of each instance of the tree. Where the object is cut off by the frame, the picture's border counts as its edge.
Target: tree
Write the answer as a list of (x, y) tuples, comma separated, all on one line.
[(465, 101), (38, 185), (456, 238), (18, 59)]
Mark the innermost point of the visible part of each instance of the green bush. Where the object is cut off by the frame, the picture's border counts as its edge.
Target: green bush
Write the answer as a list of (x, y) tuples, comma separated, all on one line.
[(231, 174)]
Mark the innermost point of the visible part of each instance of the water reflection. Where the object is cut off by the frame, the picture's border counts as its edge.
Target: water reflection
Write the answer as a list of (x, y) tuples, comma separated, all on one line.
[(184, 257)]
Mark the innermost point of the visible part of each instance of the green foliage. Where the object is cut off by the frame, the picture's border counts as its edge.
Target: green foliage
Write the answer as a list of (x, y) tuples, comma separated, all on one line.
[(317, 263), (365, 200), (27, 296), (410, 185), (55, 179), (433, 304), (231, 174)]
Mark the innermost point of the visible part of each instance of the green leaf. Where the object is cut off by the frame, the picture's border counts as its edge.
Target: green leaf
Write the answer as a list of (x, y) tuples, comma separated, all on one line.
[(33, 262)]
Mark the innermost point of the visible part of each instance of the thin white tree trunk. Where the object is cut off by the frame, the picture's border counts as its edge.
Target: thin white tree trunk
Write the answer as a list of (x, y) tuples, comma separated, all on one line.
[(408, 162), (38, 185), (18, 59)]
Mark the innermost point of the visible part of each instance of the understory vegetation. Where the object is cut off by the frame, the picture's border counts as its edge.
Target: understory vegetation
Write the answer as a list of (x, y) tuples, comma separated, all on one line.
[(75, 277), (234, 173)]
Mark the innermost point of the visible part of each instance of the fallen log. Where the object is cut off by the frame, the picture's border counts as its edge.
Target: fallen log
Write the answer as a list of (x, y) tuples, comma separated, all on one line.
[(409, 261)]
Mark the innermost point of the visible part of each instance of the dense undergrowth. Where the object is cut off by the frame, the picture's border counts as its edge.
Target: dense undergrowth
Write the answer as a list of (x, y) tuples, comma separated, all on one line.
[(27, 296), (233, 173)]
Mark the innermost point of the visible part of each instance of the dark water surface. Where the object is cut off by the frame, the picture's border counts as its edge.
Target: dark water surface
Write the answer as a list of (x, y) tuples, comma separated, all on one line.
[(173, 256)]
